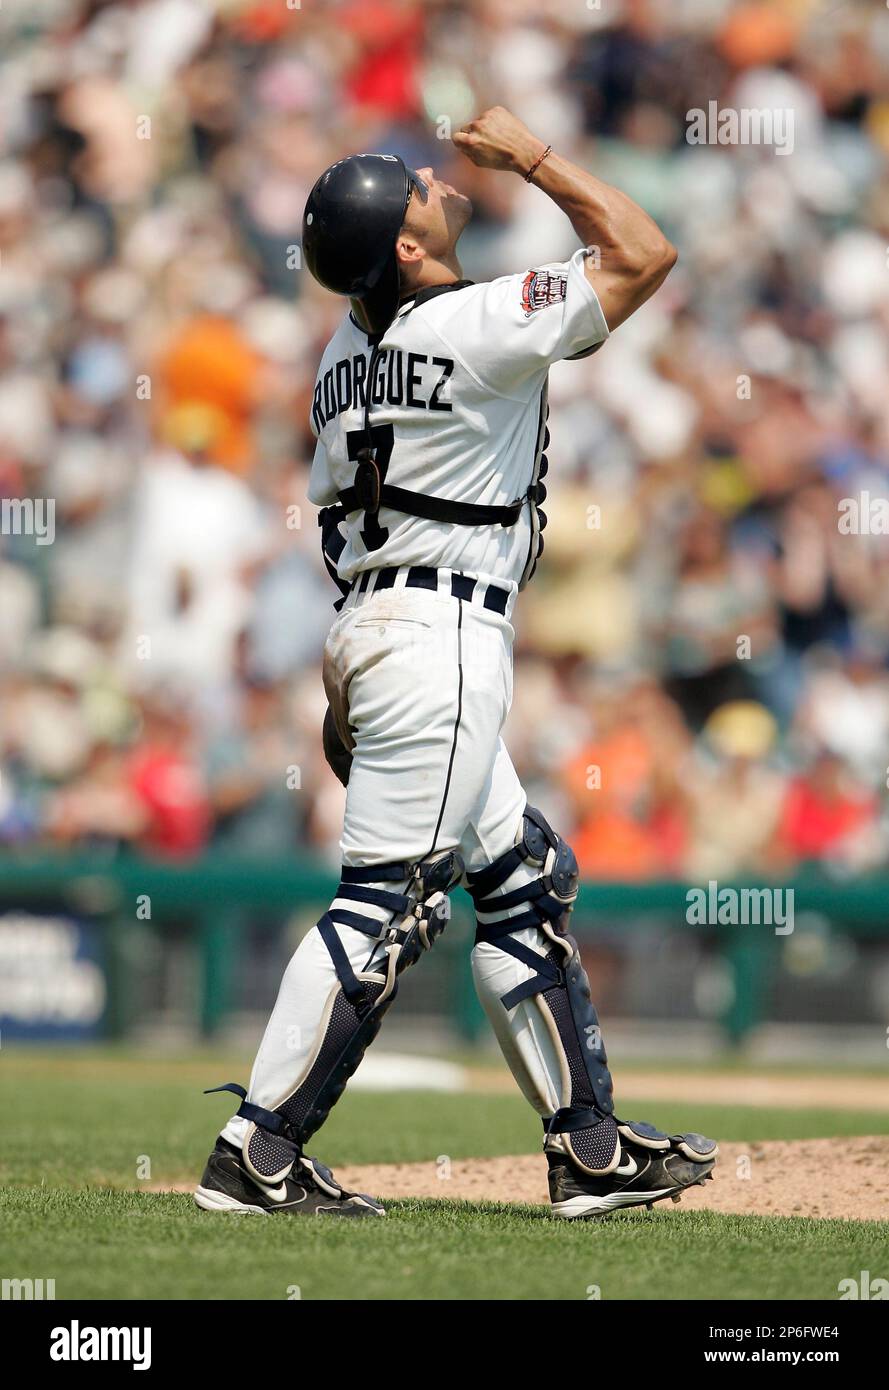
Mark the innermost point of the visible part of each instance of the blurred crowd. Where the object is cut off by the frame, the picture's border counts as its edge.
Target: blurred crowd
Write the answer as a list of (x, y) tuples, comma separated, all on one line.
[(702, 683)]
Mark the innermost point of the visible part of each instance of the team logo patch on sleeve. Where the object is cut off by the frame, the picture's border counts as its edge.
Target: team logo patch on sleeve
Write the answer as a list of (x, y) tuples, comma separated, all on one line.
[(542, 287)]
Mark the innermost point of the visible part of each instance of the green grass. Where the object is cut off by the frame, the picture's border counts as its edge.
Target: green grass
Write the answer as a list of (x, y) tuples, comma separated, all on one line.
[(730, 1062), (100, 1244), (92, 1118), (76, 1125)]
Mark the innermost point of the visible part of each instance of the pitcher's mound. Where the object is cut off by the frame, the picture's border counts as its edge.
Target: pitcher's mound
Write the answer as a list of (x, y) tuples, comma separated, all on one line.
[(806, 1177)]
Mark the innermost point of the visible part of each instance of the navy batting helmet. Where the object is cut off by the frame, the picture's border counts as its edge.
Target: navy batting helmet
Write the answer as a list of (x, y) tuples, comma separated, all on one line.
[(352, 218)]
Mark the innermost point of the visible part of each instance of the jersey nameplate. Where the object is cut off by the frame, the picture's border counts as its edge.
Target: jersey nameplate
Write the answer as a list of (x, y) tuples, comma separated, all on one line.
[(410, 379)]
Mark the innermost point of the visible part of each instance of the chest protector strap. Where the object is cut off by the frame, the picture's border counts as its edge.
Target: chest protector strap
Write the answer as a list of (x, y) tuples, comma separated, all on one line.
[(370, 491), (430, 508)]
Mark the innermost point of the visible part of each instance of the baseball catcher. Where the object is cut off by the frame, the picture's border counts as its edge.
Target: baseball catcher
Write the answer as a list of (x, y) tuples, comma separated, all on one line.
[(430, 412)]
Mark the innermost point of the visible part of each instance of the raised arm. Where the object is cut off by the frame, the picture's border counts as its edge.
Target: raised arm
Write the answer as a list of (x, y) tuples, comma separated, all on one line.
[(634, 255)]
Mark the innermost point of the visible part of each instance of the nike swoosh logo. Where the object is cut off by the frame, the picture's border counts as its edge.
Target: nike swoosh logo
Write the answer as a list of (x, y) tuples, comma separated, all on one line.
[(276, 1194), (628, 1169)]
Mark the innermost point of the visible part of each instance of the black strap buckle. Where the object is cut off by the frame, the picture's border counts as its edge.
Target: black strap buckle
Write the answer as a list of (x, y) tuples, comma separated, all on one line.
[(368, 483), (268, 1119)]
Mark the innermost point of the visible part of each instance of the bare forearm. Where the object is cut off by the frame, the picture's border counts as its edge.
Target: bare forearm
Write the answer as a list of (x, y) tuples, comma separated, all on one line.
[(601, 215), (633, 255)]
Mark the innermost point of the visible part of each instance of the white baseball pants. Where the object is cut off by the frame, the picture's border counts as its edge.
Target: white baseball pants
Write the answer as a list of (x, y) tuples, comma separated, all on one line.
[(427, 682)]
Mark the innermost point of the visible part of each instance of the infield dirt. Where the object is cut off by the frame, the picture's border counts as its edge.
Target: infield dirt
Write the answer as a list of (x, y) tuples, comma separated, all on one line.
[(846, 1178), (804, 1177)]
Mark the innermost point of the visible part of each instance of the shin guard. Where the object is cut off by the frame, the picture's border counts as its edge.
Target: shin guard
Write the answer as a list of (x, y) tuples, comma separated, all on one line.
[(356, 1005), (583, 1126)]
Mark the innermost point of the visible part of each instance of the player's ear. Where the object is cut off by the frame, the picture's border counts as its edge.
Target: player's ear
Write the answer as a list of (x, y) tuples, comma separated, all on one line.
[(407, 249)]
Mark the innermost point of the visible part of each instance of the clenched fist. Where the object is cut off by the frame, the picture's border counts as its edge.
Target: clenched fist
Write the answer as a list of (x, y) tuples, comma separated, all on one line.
[(498, 140)]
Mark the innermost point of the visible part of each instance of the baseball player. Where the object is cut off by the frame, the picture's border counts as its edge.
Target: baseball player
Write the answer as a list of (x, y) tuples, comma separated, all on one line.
[(430, 417)]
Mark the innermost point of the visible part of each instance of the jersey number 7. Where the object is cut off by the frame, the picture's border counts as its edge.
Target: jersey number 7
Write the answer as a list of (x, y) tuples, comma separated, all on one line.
[(382, 439)]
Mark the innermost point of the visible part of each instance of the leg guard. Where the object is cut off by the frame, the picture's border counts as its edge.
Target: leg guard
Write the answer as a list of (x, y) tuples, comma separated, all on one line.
[(357, 1003), (583, 1125)]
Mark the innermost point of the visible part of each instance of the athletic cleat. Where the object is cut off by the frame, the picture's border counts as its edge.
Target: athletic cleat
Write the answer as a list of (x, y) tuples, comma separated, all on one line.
[(309, 1189), (649, 1166)]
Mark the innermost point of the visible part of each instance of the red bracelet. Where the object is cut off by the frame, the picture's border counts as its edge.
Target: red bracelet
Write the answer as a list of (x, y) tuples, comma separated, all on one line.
[(536, 165)]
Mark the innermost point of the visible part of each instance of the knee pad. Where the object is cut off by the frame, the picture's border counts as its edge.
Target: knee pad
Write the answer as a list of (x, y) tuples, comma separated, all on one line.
[(356, 1004), (549, 896), (584, 1125)]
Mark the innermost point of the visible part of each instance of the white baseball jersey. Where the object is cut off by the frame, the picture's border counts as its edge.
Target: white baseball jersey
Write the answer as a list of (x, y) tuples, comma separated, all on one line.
[(456, 407)]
